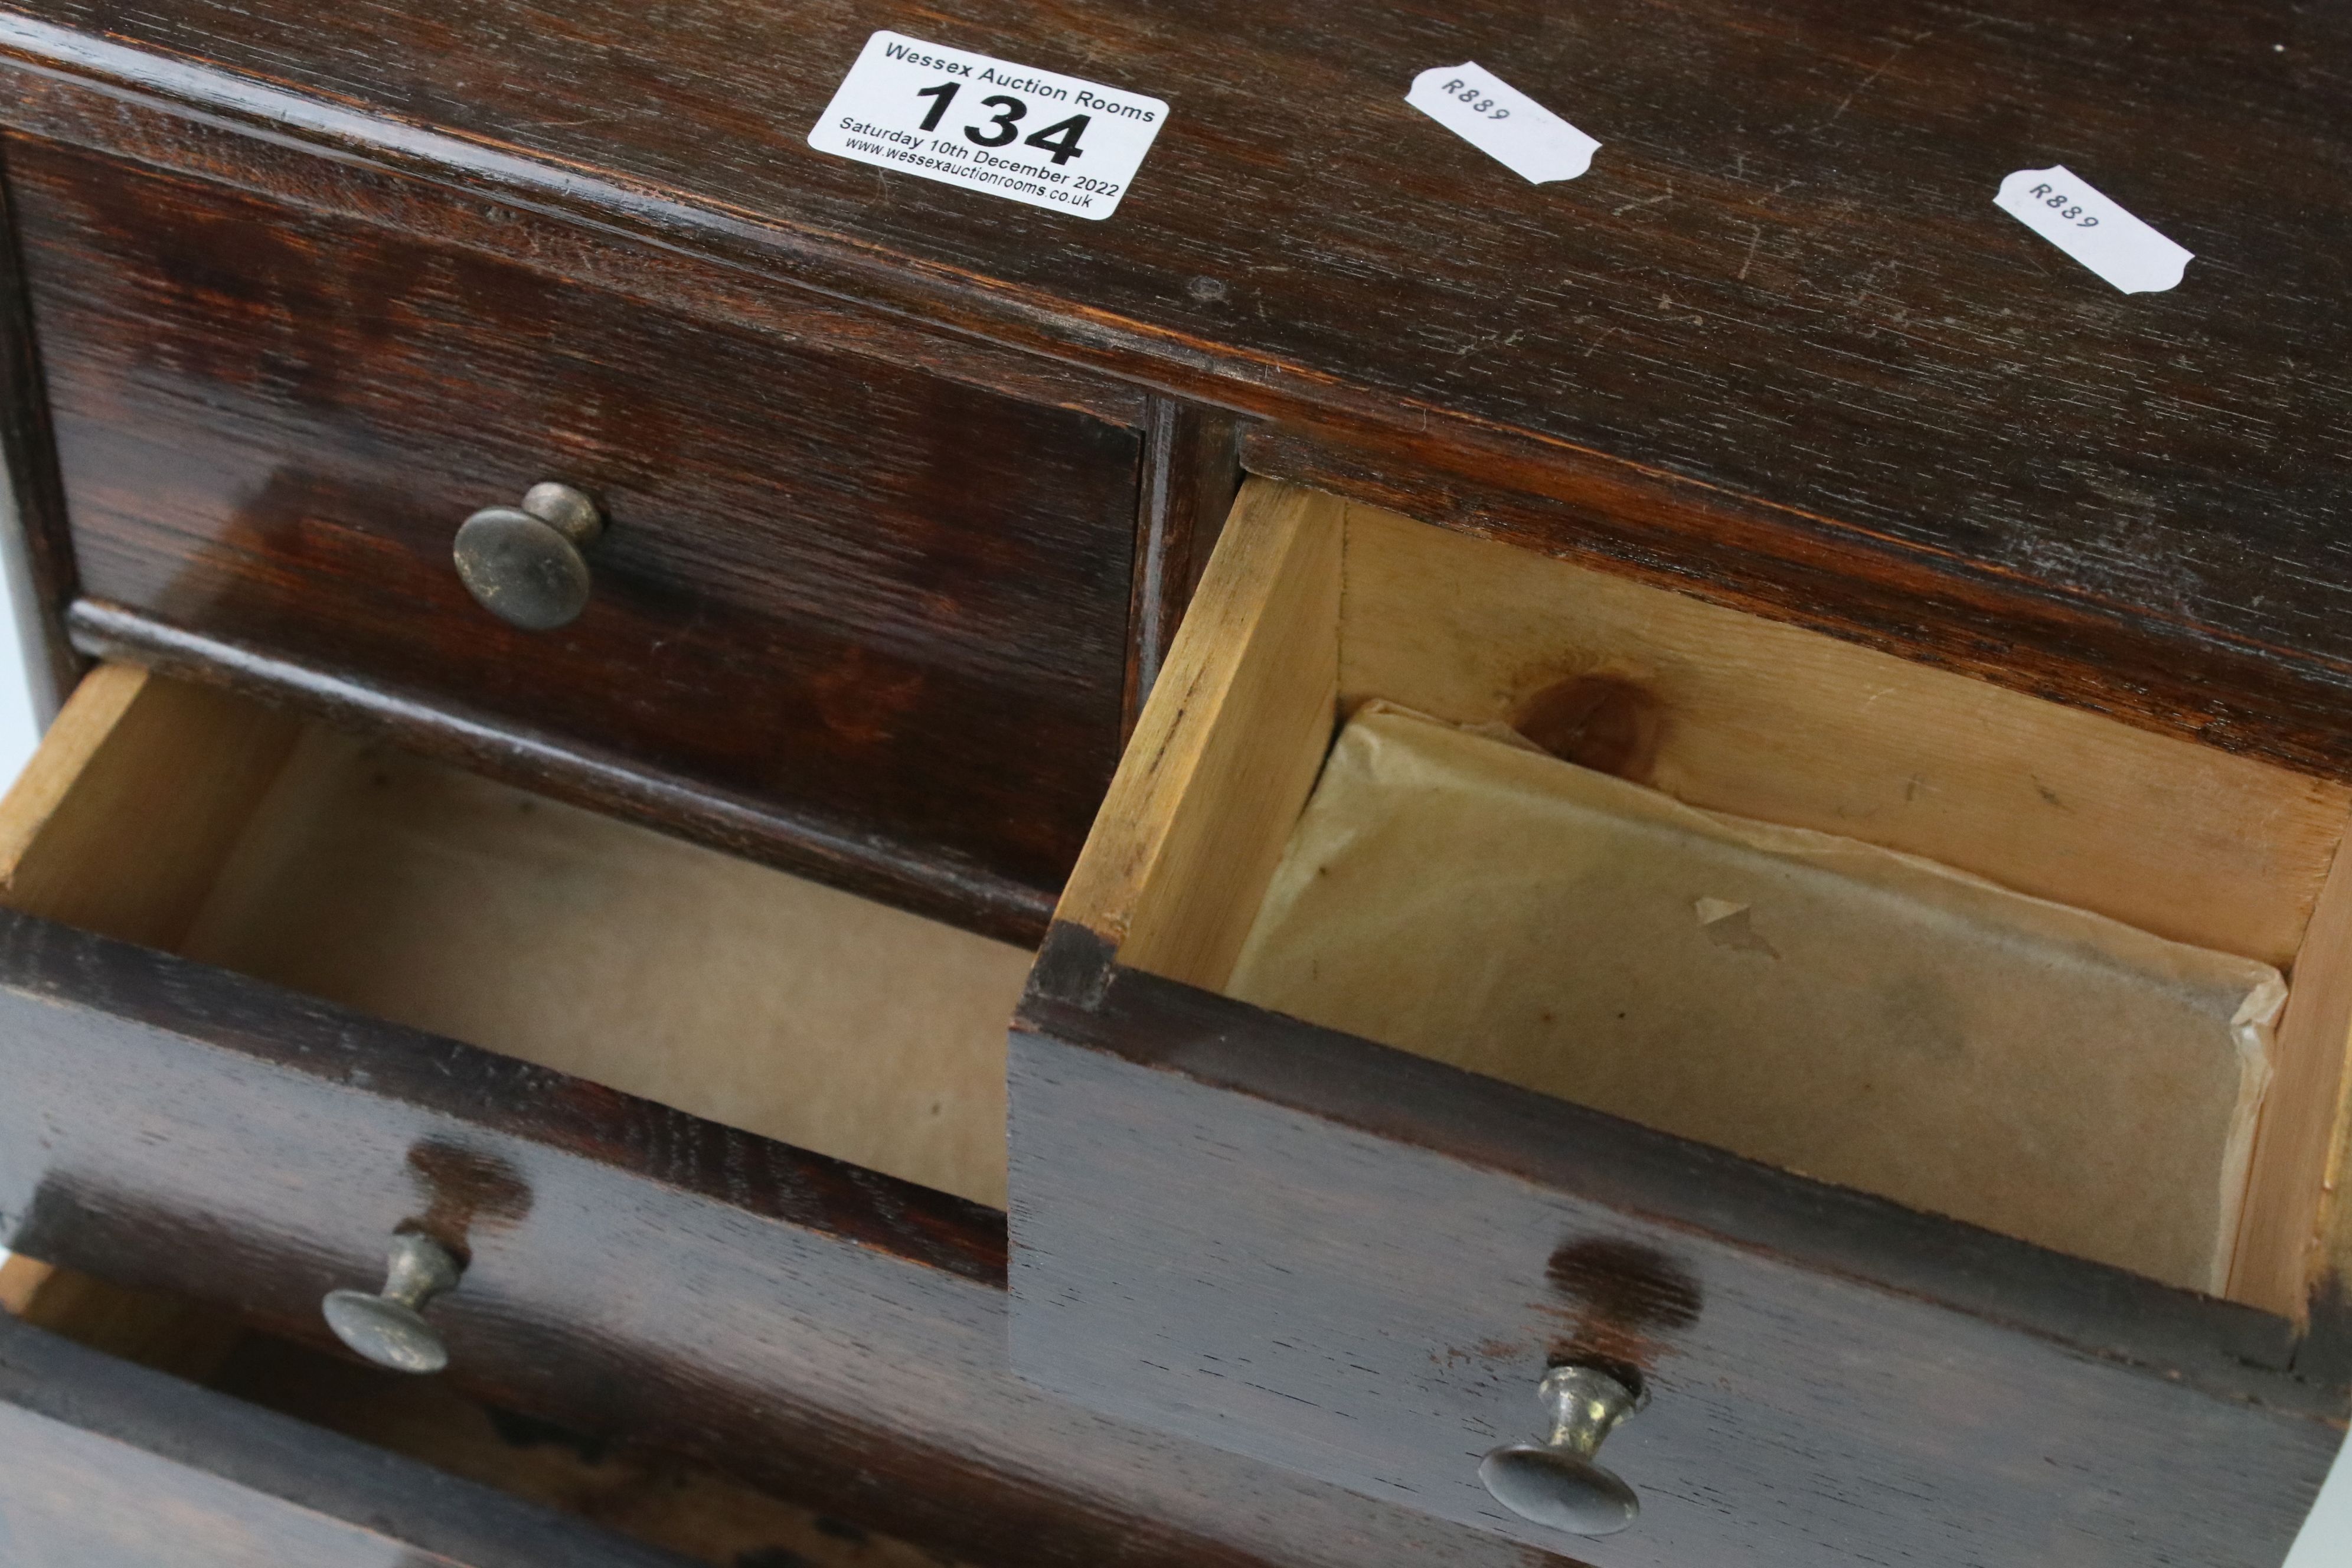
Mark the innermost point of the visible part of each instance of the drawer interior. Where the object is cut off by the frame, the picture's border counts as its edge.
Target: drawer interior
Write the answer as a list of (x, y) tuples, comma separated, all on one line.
[(697, 1513), (200, 822), (1313, 607)]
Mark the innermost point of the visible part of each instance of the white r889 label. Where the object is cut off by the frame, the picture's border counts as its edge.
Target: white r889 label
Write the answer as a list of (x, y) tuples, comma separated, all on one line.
[(2092, 228), (1031, 136)]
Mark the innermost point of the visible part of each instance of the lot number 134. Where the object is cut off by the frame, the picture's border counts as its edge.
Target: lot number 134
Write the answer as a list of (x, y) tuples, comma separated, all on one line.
[(1060, 139)]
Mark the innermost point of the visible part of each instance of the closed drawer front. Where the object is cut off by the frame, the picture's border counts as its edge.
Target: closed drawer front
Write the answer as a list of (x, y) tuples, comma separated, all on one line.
[(850, 614), (147, 1430), (717, 1149), (114, 1464), (1362, 1261)]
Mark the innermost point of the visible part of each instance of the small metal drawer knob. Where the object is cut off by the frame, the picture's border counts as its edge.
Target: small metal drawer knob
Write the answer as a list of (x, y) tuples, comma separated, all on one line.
[(1556, 1482), (525, 564), (389, 1328)]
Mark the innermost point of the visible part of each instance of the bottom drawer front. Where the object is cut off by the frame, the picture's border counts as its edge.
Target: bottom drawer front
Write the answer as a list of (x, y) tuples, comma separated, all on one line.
[(113, 1465), (1211, 1250)]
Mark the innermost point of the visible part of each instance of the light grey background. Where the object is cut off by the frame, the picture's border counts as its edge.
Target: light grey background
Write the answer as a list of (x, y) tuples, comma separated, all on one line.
[(2326, 1541)]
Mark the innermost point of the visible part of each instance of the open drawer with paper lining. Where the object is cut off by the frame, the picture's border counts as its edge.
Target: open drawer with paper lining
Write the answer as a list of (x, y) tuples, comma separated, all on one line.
[(1462, 1021)]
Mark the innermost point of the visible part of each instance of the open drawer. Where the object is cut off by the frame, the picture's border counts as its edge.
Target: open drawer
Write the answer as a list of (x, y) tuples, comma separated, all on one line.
[(717, 1147), (1359, 1262)]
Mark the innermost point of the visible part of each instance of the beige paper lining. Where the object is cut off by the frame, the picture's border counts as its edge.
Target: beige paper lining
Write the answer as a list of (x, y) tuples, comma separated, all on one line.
[(1859, 1015), (525, 926)]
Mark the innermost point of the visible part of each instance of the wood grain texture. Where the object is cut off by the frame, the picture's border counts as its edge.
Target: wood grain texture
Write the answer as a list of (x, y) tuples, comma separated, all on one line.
[(819, 1331), (1191, 469), (1780, 309), (1356, 1264), (887, 602), (113, 1465), (35, 552), (85, 115), (1223, 757)]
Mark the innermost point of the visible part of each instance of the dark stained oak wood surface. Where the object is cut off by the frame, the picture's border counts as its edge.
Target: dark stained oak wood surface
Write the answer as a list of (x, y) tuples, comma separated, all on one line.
[(1777, 349), (1191, 472), (819, 1331), (1781, 305), (37, 550), (111, 1465), (888, 602), (1356, 1264), (163, 136)]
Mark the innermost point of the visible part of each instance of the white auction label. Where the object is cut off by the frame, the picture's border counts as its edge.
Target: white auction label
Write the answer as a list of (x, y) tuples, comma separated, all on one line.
[(2070, 213), (1030, 136), (1502, 122)]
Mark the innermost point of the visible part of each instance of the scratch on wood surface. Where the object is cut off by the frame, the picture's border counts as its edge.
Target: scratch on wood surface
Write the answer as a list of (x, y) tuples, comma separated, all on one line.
[(1669, 305), (1665, 196), (1884, 66)]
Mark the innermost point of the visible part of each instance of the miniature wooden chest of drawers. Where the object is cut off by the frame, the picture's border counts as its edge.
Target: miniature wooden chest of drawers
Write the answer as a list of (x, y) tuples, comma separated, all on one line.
[(904, 492)]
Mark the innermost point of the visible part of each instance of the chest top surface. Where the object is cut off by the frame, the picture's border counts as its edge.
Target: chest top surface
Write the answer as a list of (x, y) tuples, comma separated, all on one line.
[(1782, 292)]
